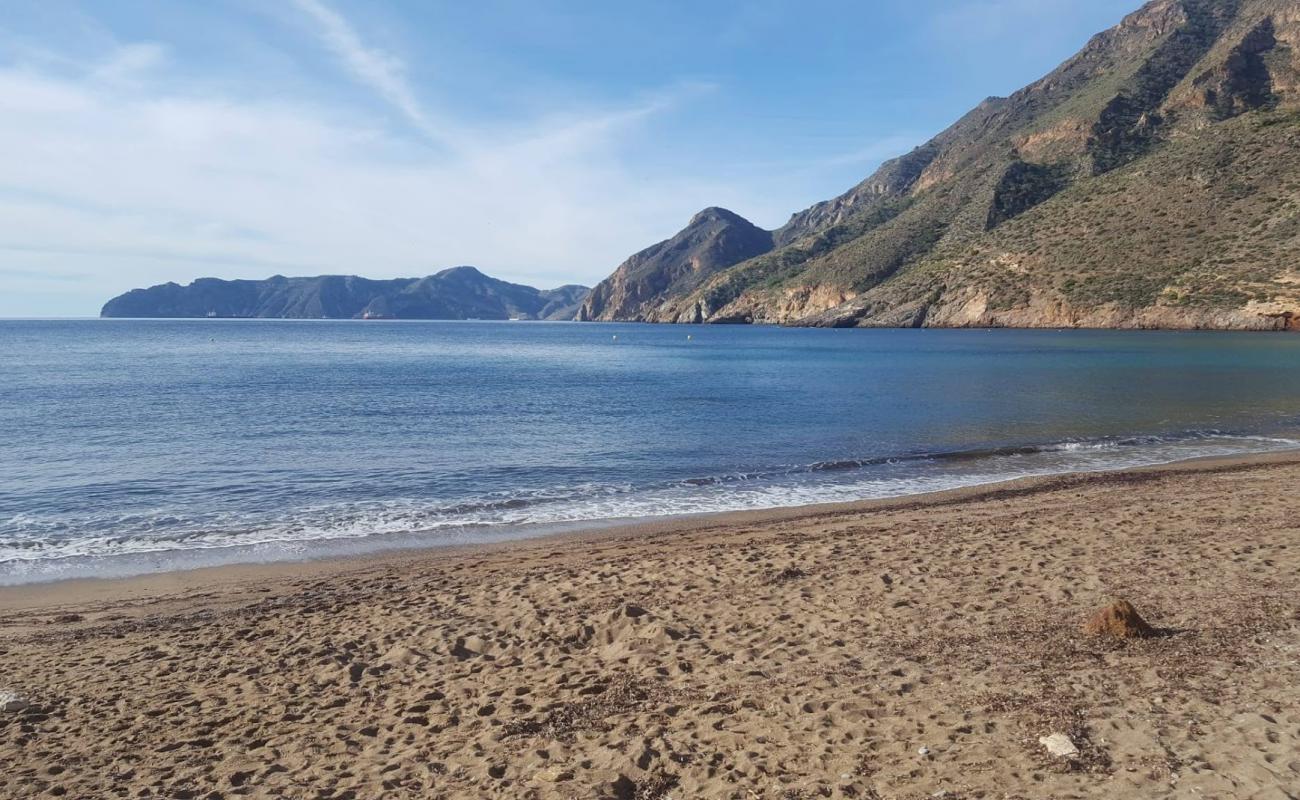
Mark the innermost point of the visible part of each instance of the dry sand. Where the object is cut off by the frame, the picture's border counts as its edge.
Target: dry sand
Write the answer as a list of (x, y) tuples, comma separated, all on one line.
[(795, 654)]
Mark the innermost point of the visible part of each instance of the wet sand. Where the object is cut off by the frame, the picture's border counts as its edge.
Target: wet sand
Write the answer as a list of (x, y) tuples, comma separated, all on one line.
[(887, 649)]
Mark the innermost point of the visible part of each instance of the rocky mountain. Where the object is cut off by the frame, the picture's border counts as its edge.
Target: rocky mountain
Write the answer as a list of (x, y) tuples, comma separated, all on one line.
[(1152, 180), (714, 239), (456, 293)]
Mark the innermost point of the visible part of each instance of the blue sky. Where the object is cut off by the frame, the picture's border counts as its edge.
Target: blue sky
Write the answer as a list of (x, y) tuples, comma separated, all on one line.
[(154, 140)]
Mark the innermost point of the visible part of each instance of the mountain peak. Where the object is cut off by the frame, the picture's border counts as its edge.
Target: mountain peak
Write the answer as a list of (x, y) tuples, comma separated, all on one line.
[(465, 271), (718, 214), (712, 241), (1148, 181)]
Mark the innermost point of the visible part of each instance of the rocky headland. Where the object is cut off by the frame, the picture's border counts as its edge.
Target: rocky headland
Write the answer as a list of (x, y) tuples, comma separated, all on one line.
[(1150, 181)]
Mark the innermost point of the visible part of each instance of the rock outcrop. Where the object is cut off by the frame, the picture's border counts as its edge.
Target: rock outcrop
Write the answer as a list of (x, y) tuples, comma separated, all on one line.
[(714, 239), (11, 701)]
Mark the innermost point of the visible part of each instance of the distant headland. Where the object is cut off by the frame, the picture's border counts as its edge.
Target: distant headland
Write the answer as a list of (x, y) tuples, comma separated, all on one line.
[(456, 293)]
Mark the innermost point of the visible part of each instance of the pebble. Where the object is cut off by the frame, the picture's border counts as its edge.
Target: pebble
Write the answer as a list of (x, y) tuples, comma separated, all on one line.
[(554, 775), (12, 701), (1058, 744)]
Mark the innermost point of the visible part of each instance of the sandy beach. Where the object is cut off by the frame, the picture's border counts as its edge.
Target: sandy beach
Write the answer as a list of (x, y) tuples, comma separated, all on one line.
[(905, 649)]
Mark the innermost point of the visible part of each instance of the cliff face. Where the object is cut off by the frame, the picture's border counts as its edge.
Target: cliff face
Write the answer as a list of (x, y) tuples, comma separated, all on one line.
[(456, 293), (1152, 180), (713, 240)]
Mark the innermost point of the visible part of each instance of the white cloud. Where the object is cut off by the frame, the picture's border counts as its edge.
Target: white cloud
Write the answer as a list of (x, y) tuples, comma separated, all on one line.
[(381, 71), (134, 184), (117, 175)]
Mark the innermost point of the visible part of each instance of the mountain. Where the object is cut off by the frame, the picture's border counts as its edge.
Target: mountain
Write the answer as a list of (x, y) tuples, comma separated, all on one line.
[(456, 293), (1152, 180), (714, 239)]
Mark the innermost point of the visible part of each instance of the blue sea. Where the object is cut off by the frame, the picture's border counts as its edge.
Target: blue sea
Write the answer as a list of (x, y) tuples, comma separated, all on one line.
[(130, 446)]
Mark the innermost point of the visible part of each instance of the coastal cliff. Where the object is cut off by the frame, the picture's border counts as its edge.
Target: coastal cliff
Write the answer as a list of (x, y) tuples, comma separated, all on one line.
[(1150, 181), (456, 293), (713, 240)]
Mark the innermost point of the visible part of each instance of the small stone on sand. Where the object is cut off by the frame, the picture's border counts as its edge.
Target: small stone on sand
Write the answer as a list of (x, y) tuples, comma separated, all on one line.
[(12, 701), (1119, 619), (1059, 745), (554, 774)]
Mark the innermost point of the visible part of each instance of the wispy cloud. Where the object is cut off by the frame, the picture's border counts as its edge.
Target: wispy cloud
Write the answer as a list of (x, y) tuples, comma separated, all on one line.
[(38, 275), (857, 161), (121, 173), (385, 74), (112, 172), (380, 71), (589, 126), (130, 62), (870, 153)]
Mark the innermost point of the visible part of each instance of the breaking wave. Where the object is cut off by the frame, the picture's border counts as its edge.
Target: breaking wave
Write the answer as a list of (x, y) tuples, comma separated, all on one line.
[(35, 547)]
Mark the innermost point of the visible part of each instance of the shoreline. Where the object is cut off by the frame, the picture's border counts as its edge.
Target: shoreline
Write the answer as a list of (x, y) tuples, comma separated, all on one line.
[(79, 590), (1280, 327), (904, 648)]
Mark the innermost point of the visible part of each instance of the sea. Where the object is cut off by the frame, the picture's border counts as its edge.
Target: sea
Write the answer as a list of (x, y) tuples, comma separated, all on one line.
[(136, 446)]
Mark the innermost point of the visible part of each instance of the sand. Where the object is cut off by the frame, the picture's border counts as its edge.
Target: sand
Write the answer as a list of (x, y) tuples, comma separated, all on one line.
[(883, 650)]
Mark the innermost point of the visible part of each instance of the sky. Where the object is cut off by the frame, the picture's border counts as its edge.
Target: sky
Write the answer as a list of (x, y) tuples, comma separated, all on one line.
[(146, 141)]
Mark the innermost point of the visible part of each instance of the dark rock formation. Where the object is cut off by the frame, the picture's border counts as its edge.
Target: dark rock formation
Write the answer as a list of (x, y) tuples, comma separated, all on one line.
[(1023, 185)]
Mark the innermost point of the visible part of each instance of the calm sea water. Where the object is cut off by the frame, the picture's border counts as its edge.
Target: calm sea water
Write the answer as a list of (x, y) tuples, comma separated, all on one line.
[(130, 446)]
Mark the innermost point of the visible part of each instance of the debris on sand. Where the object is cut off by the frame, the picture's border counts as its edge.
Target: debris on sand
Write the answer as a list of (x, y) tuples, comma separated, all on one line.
[(1059, 745), (1119, 619), (12, 701)]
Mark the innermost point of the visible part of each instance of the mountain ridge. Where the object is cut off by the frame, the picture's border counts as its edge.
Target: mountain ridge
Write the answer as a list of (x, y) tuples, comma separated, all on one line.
[(713, 240), (1151, 180), (454, 293)]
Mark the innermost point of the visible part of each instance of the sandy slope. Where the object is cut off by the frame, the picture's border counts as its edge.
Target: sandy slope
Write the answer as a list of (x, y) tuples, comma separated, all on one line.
[(794, 656)]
